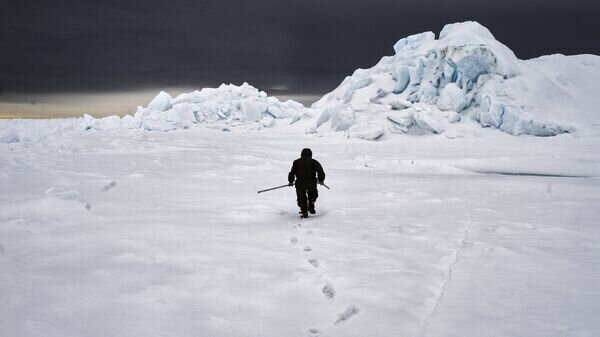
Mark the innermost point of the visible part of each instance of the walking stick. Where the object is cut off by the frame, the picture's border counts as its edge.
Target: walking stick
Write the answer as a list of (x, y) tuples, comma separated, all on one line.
[(273, 188), (326, 186)]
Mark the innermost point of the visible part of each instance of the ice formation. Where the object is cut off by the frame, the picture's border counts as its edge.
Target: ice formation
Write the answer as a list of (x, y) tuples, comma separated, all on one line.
[(222, 107), (230, 104), (430, 84), (459, 82), (227, 105)]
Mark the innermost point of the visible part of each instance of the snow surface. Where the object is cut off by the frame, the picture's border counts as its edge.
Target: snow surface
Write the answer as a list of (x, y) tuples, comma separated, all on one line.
[(112, 227), (138, 233)]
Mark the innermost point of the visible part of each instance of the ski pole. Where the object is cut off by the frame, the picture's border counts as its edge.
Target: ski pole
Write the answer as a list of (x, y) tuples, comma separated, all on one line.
[(273, 188), (326, 186)]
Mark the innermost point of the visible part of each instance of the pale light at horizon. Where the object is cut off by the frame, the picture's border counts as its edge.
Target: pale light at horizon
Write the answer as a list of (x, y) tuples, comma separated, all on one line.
[(65, 105)]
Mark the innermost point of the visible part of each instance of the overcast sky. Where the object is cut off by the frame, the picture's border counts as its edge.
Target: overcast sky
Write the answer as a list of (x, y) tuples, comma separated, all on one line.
[(283, 47)]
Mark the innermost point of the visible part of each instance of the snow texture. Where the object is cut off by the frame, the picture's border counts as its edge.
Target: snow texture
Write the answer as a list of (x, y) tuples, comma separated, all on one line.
[(113, 227), (137, 233), (347, 314)]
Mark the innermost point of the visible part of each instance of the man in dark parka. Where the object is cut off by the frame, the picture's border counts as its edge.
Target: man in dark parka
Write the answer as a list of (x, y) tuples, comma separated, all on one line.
[(307, 172)]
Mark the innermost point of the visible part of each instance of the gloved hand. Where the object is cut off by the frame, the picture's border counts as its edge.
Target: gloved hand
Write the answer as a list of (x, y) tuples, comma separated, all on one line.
[(290, 184), (321, 182)]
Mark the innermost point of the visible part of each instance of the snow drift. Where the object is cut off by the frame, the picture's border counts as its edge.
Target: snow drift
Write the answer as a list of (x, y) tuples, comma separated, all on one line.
[(466, 73)]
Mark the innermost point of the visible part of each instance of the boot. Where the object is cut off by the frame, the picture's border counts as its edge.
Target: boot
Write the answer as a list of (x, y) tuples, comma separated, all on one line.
[(303, 214), (311, 207)]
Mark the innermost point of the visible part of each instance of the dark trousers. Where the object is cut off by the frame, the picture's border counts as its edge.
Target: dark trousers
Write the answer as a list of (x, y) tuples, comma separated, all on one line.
[(304, 196)]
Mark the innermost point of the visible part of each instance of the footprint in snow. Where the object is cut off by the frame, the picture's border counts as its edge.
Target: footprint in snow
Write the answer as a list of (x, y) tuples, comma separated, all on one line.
[(294, 240), (109, 186), (314, 332), (307, 248), (329, 290), (314, 262), (298, 225), (347, 314), (308, 232)]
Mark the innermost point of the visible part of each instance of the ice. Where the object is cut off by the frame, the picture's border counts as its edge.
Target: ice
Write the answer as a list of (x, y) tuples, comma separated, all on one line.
[(267, 122), (289, 104), (107, 123), (402, 119), (413, 41), (402, 79), (233, 105), (162, 102), (130, 122), (462, 78), (253, 108), (415, 72), (421, 118), (343, 119), (276, 112), (451, 98), (514, 120), (481, 44), (327, 113), (368, 131), (154, 122), (429, 118), (353, 86), (457, 73), (186, 111), (396, 103)]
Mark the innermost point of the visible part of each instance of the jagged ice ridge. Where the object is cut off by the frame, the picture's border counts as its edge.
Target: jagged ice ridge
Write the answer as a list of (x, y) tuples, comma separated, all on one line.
[(429, 85)]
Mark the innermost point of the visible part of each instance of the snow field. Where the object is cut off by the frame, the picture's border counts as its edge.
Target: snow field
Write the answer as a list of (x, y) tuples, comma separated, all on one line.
[(115, 227), (411, 240)]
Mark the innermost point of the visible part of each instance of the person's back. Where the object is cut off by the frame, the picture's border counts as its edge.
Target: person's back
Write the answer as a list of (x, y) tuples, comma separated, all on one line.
[(307, 172)]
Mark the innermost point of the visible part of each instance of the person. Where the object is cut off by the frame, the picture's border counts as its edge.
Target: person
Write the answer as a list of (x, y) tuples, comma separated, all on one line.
[(307, 172)]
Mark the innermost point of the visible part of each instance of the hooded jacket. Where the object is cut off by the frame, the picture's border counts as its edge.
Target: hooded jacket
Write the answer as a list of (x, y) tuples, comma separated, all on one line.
[(307, 171)]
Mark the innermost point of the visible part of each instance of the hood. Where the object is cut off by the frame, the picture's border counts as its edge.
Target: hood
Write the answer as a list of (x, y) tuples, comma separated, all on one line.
[(306, 153)]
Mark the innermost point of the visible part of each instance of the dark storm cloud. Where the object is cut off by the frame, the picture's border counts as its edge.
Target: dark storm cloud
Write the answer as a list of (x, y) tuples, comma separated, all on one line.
[(290, 46)]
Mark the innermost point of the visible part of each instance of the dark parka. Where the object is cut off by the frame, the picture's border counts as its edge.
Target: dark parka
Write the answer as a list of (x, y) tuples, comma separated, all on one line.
[(307, 171)]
